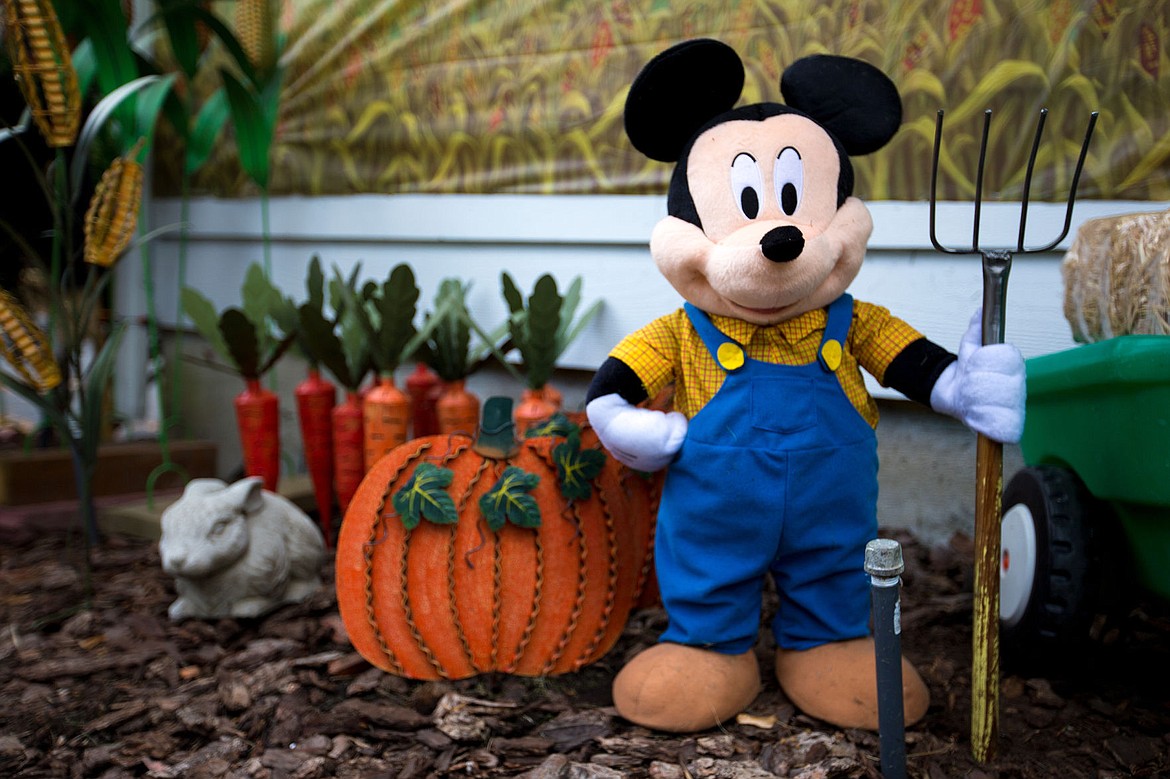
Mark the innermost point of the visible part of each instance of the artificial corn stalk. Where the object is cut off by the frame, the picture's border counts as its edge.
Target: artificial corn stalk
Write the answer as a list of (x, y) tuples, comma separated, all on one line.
[(256, 28), (24, 346), (113, 211), (43, 68)]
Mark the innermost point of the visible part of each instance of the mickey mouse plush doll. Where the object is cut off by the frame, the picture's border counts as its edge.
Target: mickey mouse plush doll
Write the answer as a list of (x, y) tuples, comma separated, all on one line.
[(771, 451)]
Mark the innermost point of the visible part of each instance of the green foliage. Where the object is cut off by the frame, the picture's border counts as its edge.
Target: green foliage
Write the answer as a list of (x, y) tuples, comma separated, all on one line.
[(448, 348), (385, 314), (425, 496), (509, 500), (241, 335), (542, 327)]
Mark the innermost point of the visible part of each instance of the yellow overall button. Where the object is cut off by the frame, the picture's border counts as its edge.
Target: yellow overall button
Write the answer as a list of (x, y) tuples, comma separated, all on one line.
[(831, 354), (730, 356)]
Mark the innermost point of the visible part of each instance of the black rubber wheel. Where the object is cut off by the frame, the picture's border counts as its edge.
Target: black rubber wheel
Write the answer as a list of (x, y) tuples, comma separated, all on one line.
[(1048, 602)]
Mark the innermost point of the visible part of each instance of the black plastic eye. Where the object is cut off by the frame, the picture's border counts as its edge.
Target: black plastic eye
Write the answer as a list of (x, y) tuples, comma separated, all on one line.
[(788, 175), (747, 182)]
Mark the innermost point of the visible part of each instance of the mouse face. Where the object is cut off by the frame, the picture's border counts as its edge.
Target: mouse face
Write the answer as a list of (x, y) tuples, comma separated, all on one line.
[(762, 226), (770, 241)]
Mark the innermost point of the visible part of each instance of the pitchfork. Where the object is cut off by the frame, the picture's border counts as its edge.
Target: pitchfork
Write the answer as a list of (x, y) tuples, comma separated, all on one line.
[(997, 264)]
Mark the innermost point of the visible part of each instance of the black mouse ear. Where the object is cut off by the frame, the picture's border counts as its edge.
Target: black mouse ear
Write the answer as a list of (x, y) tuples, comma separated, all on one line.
[(677, 92), (852, 99)]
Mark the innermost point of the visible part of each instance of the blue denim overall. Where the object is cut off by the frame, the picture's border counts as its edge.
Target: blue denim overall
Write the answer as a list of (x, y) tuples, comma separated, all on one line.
[(778, 474)]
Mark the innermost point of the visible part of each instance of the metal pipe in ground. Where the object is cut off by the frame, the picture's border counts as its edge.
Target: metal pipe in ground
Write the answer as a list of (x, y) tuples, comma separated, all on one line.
[(883, 563)]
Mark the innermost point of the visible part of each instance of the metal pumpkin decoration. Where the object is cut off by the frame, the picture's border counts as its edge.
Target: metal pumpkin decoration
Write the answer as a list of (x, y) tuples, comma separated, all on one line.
[(463, 556)]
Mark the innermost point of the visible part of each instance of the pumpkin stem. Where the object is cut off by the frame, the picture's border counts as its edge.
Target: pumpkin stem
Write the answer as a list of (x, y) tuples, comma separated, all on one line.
[(497, 438)]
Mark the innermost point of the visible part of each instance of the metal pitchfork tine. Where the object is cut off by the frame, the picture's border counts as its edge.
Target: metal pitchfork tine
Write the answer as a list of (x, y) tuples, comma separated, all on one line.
[(997, 264)]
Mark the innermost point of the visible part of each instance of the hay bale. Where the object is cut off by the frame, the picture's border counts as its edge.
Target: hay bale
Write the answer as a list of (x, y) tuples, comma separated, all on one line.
[(1117, 277)]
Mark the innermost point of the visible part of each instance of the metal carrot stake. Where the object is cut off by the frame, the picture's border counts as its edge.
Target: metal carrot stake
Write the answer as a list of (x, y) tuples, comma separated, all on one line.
[(997, 265)]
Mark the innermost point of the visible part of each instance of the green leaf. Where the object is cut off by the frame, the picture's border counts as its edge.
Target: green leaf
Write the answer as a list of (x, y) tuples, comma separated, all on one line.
[(396, 305), (229, 41), (315, 284), (577, 468), (543, 321), (253, 133), (323, 345), (556, 426), (509, 500), (209, 123), (94, 123), (259, 296), (206, 320), (105, 24), (425, 497), (180, 21), (149, 102), (563, 343), (512, 294), (240, 336), (85, 64), (101, 371)]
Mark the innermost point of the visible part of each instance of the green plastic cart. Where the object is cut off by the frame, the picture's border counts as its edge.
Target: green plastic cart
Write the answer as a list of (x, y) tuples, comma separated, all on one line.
[(1092, 507)]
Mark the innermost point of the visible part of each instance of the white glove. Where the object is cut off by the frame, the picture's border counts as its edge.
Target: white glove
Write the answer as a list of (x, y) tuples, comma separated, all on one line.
[(644, 439), (985, 388)]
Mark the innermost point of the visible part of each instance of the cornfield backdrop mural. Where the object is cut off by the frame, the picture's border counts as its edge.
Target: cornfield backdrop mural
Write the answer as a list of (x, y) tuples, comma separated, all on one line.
[(493, 96)]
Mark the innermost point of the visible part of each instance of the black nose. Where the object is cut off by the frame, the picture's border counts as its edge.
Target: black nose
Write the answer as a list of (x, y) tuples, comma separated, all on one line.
[(782, 244)]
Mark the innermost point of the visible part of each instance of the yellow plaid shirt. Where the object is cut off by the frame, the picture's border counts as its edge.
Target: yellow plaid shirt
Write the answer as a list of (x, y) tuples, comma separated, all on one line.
[(669, 349)]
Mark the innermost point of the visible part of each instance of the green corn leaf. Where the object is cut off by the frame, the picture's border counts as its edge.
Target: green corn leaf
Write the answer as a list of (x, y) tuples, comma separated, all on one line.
[(148, 105), (179, 19), (509, 500), (253, 133), (209, 123), (97, 379), (229, 40), (425, 496), (97, 119), (85, 64), (577, 468), (206, 320), (240, 336)]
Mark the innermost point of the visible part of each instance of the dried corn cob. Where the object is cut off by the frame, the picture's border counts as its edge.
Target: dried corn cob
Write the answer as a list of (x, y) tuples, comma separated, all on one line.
[(24, 346), (43, 68), (256, 28), (113, 211)]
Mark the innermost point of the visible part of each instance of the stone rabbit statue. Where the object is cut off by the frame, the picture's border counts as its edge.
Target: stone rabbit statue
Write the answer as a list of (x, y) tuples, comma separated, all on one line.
[(238, 550)]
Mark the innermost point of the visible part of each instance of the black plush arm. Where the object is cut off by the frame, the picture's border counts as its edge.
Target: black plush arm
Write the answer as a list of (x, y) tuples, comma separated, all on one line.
[(916, 369), (615, 376)]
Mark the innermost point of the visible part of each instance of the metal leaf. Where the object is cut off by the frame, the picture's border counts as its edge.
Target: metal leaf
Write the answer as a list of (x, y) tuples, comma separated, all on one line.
[(240, 335), (577, 467), (425, 496), (509, 500)]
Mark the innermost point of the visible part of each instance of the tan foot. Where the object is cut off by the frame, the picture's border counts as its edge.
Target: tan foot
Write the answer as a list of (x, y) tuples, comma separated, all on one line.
[(683, 689), (837, 683)]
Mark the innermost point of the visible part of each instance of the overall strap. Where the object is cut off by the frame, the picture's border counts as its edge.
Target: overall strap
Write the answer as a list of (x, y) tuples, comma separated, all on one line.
[(839, 320), (728, 353)]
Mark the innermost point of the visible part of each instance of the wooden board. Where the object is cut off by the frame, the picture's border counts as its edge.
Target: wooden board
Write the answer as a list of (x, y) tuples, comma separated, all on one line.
[(44, 475)]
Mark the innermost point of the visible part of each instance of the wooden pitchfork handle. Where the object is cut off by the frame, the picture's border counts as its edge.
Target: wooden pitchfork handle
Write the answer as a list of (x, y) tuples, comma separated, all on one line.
[(988, 492)]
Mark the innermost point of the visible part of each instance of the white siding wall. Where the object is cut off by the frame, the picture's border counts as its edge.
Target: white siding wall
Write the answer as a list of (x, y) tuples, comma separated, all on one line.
[(603, 239)]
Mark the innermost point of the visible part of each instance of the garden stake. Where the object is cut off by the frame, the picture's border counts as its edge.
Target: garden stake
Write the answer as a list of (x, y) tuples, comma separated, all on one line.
[(883, 563), (997, 265)]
